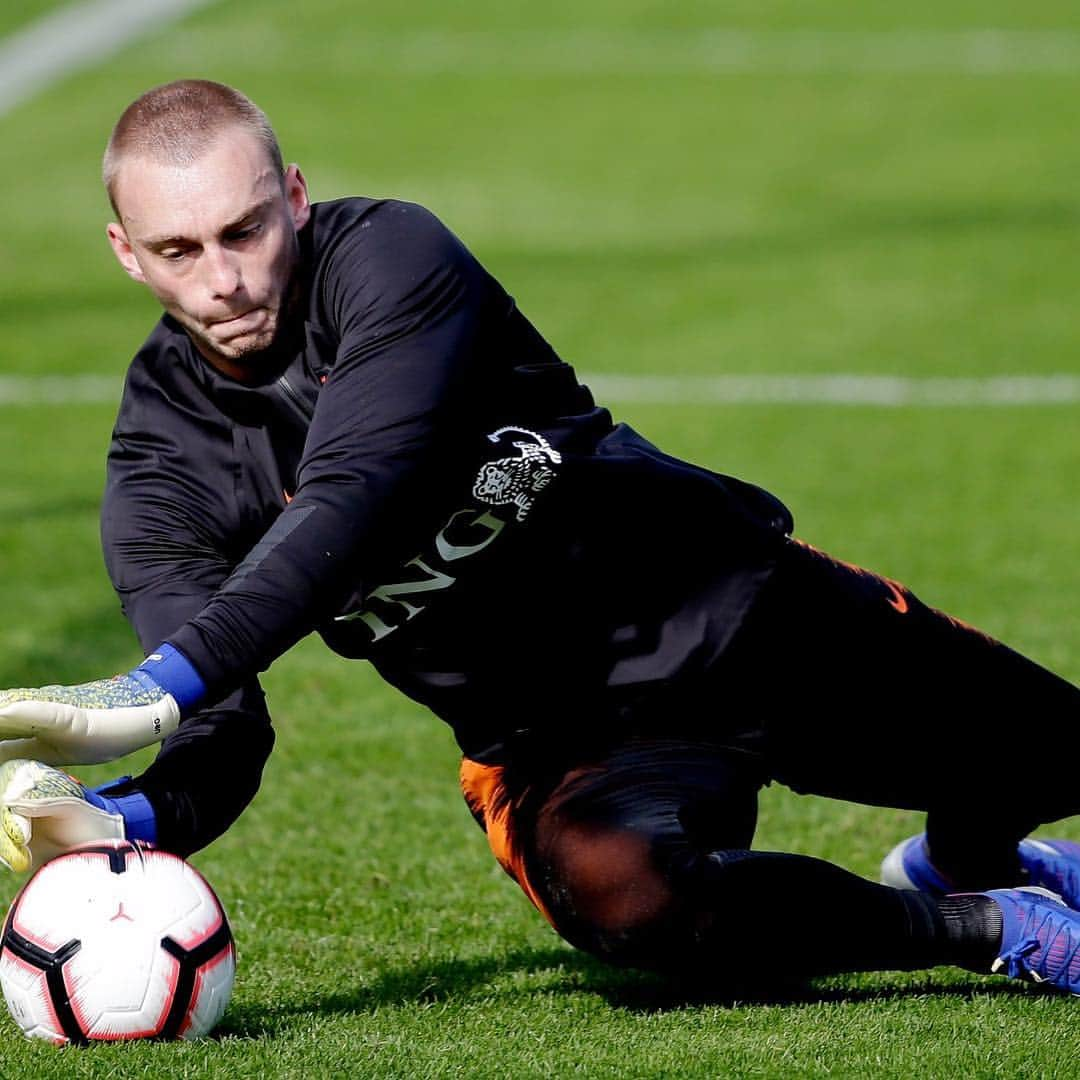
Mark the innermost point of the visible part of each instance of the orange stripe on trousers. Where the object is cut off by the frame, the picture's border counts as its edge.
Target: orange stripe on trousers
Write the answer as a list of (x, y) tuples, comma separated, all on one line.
[(482, 786)]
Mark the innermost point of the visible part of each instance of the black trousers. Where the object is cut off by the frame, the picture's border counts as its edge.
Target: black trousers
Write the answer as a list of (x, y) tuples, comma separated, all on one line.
[(840, 683)]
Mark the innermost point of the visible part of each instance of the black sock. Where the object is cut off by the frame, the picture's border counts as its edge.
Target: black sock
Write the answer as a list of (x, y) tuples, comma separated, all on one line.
[(845, 923), (962, 930)]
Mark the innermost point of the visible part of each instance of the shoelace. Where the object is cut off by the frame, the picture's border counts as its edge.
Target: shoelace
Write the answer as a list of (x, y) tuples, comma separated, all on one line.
[(1017, 958)]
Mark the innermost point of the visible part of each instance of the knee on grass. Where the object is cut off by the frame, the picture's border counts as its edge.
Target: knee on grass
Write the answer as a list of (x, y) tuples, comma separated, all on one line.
[(608, 896)]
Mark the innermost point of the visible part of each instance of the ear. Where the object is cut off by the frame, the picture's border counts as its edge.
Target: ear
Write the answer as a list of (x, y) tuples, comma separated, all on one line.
[(296, 195), (121, 246)]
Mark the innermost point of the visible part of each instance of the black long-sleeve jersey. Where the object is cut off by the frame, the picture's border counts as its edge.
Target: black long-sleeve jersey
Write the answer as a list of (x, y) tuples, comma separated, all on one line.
[(418, 477)]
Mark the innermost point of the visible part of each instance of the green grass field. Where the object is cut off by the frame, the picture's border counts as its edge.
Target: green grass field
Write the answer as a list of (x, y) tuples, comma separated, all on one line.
[(867, 211)]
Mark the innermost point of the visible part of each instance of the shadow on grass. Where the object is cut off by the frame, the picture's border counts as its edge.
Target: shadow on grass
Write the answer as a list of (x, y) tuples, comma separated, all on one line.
[(569, 973)]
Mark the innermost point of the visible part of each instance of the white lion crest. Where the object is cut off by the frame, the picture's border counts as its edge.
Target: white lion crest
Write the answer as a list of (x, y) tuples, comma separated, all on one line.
[(516, 481)]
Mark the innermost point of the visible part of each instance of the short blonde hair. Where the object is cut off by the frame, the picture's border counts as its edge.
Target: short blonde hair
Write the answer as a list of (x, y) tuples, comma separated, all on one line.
[(178, 121)]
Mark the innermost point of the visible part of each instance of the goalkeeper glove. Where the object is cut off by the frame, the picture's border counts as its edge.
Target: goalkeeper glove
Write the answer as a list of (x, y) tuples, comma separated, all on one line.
[(102, 720), (44, 812)]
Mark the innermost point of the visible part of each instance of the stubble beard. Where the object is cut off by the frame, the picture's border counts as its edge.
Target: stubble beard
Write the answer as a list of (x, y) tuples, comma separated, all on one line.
[(241, 346), (239, 358)]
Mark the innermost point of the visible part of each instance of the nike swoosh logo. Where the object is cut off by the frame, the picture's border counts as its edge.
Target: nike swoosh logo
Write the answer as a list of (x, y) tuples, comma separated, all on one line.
[(897, 599)]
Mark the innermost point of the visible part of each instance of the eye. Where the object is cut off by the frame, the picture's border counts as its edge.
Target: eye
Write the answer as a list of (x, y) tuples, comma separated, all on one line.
[(173, 254), (246, 233)]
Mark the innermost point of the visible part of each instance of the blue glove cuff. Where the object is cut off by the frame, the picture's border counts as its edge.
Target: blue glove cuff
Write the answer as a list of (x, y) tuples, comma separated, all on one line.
[(171, 670), (135, 809)]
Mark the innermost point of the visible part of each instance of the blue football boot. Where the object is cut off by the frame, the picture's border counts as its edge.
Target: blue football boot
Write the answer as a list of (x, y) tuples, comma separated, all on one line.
[(1050, 864), (1040, 938)]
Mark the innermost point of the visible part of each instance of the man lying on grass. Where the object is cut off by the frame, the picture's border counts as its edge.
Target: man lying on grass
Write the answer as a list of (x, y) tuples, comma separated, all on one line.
[(342, 423)]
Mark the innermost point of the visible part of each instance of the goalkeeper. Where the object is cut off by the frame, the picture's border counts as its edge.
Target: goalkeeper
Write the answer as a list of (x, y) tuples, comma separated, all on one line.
[(343, 424)]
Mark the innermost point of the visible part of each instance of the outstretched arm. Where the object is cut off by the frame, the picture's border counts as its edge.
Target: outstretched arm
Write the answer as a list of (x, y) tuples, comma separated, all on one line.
[(390, 436), (206, 772), (209, 766)]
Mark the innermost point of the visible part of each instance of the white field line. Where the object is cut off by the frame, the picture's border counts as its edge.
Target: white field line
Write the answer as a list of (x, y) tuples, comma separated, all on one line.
[(59, 390), (718, 50), (889, 391), (885, 390), (75, 37)]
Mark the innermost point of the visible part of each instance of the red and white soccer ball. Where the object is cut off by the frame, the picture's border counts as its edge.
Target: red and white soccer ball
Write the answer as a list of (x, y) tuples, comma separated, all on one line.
[(116, 941)]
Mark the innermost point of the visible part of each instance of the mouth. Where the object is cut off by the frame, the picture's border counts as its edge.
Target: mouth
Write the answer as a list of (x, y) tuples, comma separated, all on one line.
[(243, 323)]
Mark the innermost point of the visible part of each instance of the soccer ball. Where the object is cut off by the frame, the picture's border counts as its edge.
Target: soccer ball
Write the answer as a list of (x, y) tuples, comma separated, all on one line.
[(114, 940)]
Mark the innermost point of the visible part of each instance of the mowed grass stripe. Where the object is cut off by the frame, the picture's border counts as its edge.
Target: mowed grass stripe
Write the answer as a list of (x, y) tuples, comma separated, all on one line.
[(893, 391)]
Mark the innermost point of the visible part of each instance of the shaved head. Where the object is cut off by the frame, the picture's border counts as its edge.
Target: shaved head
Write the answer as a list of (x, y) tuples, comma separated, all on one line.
[(177, 123), (207, 217)]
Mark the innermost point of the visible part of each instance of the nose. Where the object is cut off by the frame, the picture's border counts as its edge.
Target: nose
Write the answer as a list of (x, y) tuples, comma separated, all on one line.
[(223, 276)]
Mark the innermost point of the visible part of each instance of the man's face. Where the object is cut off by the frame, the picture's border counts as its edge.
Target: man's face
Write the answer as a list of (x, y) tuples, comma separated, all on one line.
[(215, 241)]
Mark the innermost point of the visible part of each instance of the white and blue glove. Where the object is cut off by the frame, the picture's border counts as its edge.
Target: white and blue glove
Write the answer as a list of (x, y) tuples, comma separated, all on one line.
[(44, 812), (101, 720)]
